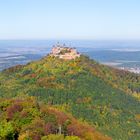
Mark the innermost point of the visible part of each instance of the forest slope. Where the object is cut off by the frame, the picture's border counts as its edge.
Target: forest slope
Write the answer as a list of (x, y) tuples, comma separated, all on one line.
[(95, 93)]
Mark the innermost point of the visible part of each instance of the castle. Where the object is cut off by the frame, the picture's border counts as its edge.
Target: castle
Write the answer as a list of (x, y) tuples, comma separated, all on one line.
[(63, 52)]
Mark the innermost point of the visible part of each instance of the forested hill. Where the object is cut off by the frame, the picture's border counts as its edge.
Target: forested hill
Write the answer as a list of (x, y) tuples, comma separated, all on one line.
[(91, 92)]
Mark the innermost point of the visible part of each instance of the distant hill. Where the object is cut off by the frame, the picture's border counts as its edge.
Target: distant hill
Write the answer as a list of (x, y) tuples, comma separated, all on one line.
[(104, 97)]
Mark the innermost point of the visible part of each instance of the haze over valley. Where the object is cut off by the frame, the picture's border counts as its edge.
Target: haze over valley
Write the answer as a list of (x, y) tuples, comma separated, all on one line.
[(119, 54)]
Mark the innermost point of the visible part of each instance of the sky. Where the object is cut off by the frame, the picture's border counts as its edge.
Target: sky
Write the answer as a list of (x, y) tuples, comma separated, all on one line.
[(70, 19)]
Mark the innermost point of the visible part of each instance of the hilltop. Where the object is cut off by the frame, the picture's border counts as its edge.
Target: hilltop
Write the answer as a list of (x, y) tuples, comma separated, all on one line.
[(93, 93), (63, 52)]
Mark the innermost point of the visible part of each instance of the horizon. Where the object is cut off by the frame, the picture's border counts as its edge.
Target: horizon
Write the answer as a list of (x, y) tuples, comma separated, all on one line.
[(70, 20)]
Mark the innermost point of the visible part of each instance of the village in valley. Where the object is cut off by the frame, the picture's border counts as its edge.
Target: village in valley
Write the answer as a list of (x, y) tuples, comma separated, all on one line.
[(131, 69)]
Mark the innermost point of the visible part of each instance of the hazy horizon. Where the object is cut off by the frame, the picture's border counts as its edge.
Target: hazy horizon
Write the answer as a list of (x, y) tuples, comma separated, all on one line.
[(124, 53)]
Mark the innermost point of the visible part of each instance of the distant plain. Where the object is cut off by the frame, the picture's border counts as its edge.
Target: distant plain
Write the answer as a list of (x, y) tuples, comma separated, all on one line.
[(114, 53)]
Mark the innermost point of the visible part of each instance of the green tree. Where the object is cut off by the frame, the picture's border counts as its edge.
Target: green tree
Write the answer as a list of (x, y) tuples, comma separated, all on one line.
[(6, 131)]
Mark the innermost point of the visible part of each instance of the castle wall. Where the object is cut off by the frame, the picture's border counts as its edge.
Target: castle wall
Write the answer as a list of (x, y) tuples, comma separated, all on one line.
[(70, 53)]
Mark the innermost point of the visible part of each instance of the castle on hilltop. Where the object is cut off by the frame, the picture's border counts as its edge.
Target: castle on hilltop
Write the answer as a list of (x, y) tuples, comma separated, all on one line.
[(64, 52)]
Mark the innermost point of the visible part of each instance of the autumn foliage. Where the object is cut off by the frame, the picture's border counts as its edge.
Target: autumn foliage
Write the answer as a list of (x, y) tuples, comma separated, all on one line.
[(39, 121)]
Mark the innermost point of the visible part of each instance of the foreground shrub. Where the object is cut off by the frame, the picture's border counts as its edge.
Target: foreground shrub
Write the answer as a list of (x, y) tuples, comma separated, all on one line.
[(59, 137)]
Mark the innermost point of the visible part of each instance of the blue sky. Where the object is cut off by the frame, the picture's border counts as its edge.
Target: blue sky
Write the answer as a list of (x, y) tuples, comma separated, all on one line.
[(70, 19)]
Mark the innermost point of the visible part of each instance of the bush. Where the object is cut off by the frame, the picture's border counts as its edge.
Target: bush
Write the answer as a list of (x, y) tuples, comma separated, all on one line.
[(6, 131), (53, 137), (72, 138), (59, 137)]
